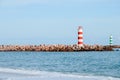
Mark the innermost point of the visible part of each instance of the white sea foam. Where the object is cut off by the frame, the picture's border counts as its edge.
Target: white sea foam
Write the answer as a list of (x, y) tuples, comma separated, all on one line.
[(16, 74)]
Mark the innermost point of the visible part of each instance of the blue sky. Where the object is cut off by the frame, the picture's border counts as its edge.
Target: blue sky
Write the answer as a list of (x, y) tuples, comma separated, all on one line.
[(56, 22)]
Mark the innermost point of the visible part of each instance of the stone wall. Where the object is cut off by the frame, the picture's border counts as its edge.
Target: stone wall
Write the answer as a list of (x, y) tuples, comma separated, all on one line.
[(55, 48)]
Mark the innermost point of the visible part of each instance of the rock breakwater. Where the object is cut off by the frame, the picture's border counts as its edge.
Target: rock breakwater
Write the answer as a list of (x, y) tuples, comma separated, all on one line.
[(55, 48)]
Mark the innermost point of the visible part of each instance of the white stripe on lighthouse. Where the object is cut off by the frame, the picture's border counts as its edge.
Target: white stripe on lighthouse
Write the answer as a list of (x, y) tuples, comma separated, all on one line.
[(80, 40), (80, 30), (80, 35)]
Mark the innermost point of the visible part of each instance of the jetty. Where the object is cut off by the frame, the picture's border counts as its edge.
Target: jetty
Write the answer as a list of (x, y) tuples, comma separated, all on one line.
[(57, 48), (80, 46)]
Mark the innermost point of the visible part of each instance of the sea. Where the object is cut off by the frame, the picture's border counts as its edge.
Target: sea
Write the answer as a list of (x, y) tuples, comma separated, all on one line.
[(93, 65)]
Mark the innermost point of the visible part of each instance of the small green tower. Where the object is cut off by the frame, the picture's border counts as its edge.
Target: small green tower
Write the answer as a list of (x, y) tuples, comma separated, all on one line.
[(111, 40)]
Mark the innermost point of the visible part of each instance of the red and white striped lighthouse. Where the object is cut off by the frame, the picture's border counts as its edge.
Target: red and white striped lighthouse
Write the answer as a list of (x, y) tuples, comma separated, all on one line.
[(80, 36)]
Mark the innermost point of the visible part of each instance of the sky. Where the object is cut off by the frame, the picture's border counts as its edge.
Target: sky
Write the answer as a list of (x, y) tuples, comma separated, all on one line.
[(56, 21)]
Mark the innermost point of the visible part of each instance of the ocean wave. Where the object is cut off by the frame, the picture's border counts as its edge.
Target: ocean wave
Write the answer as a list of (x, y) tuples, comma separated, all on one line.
[(21, 74)]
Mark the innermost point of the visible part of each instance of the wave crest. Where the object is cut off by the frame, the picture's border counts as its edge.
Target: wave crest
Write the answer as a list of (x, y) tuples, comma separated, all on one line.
[(14, 74)]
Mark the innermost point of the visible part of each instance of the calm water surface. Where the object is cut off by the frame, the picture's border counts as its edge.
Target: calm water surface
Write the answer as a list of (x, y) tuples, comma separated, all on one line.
[(83, 63)]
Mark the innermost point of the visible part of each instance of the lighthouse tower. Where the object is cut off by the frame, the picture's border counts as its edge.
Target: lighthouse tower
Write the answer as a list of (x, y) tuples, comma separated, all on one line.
[(80, 36), (111, 40)]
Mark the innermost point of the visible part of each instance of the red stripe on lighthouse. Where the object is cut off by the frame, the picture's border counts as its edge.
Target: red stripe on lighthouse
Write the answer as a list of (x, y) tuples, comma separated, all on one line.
[(80, 42), (80, 32), (80, 37)]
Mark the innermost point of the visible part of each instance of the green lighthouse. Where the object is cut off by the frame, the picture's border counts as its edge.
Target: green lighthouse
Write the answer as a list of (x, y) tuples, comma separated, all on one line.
[(111, 40)]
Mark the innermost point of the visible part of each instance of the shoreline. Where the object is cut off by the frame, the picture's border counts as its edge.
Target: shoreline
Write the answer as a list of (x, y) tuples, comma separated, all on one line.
[(15, 74), (57, 48)]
